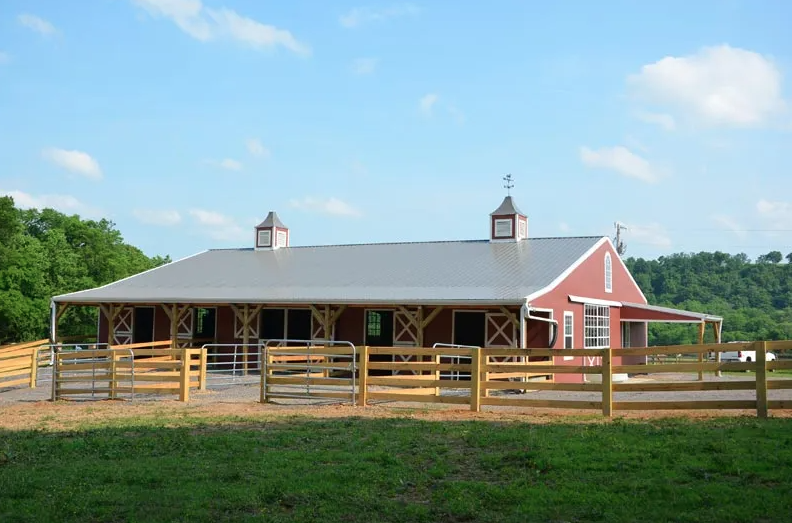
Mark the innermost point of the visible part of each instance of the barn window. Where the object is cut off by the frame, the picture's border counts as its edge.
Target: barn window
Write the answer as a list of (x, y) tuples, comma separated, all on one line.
[(608, 273), (281, 238), (569, 324), (596, 323), (264, 238), (503, 228)]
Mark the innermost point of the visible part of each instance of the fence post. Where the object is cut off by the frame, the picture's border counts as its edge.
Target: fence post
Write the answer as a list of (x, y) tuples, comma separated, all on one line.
[(33, 367), (363, 376), (202, 369), (607, 383), (113, 376), (184, 376), (761, 378), (475, 380), (55, 371)]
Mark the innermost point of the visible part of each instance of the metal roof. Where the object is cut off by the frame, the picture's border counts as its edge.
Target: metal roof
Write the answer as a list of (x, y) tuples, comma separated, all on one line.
[(679, 312), (477, 271), (507, 206), (272, 220)]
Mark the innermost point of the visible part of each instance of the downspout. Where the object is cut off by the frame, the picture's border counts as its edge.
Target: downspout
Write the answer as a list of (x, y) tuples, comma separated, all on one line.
[(53, 326), (525, 313)]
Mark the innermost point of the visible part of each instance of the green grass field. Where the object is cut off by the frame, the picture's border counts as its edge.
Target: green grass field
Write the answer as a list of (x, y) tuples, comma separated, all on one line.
[(174, 468)]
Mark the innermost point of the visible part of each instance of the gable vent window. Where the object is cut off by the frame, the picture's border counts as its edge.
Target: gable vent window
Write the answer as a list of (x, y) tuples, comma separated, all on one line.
[(569, 323), (503, 228), (597, 327), (264, 238), (608, 273)]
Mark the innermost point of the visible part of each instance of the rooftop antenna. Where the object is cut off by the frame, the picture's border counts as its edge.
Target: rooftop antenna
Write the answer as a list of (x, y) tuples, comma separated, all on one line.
[(508, 184), (620, 247)]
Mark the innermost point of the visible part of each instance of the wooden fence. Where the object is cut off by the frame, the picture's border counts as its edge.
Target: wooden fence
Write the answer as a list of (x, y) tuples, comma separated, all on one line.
[(142, 368), (19, 363), (416, 377)]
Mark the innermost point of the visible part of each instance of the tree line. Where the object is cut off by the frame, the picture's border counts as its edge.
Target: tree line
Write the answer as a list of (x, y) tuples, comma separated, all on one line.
[(44, 253)]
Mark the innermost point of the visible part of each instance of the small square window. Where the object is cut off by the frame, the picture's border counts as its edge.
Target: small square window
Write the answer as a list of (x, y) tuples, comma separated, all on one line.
[(265, 238), (503, 228)]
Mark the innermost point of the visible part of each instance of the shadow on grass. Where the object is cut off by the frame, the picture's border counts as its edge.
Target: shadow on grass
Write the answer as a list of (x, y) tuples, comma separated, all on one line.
[(359, 469)]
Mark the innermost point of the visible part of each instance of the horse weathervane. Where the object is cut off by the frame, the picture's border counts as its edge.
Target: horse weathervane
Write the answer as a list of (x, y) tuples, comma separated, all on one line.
[(508, 184)]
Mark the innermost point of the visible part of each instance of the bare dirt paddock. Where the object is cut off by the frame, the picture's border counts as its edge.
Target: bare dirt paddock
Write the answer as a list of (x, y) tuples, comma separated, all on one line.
[(32, 409)]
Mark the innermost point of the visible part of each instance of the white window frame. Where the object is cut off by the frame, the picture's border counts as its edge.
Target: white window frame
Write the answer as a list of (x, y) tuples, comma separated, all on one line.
[(596, 326), (282, 238), (507, 221), (608, 272), (264, 233), (571, 335)]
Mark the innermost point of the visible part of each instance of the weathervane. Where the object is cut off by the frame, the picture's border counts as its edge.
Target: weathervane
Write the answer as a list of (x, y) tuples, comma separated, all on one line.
[(508, 185)]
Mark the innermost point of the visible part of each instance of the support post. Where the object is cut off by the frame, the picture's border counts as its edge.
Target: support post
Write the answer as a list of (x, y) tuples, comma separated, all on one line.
[(362, 398), (202, 371), (761, 378), (475, 380), (184, 376), (33, 367), (702, 327), (607, 383), (245, 338), (716, 330)]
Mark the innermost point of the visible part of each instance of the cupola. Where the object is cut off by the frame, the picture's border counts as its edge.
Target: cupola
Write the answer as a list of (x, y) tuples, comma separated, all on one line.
[(508, 223), (271, 233)]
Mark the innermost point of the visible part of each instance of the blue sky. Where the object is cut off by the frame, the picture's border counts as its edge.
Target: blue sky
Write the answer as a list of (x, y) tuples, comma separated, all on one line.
[(186, 121)]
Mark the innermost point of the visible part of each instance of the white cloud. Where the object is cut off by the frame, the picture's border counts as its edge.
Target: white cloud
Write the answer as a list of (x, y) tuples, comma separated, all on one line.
[(363, 66), (256, 148), (621, 160), (427, 102), (719, 85), (361, 15), (76, 161), (4, 58), (61, 202), (731, 224), (777, 213), (37, 24), (564, 227), (206, 24), (651, 234), (219, 227), (231, 165), (332, 206), (161, 217), (666, 121)]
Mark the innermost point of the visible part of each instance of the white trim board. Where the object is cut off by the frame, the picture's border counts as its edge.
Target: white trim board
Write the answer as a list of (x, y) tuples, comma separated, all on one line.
[(594, 301)]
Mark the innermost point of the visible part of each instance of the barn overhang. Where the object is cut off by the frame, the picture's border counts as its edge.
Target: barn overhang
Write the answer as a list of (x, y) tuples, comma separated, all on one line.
[(641, 312)]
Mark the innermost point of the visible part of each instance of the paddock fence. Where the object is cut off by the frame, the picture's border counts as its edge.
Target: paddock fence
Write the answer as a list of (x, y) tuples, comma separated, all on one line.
[(124, 371), (510, 377), (19, 363)]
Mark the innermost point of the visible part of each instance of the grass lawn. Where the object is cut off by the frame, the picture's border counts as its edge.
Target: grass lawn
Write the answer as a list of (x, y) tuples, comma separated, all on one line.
[(176, 468)]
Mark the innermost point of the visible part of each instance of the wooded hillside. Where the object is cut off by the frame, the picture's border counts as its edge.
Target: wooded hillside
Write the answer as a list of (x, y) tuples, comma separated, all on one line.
[(754, 298), (46, 253)]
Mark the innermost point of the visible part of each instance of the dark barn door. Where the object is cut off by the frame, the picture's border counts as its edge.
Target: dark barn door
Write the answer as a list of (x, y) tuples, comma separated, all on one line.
[(273, 324), (379, 333), (298, 326), (469, 328), (143, 327)]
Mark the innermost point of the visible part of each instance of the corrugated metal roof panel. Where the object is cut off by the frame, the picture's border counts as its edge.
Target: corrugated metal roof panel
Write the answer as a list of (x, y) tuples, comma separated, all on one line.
[(429, 272)]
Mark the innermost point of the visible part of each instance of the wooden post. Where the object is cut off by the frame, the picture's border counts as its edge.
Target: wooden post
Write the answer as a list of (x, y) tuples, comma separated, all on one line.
[(363, 356), (702, 326), (245, 338), (761, 378), (475, 380), (202, 370), (113, 375), (184, 376), (33, 367), (111, 316), (717, 332), (607, 383)]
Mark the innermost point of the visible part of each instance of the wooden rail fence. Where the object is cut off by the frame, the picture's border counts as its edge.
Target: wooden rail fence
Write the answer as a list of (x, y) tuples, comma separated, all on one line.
[(143, 368), (19, 363), (416, 376)]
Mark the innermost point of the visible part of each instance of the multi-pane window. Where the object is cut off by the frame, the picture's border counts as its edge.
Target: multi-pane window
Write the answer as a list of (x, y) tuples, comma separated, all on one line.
[(373, 323), (568, 330), (596, 323), (608, 273)]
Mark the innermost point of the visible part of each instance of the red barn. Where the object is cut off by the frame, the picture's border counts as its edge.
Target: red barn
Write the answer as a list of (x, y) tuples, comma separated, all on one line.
[(506, 290)]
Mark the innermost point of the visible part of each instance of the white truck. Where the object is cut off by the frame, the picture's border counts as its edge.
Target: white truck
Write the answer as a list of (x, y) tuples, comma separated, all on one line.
[(743, 355)]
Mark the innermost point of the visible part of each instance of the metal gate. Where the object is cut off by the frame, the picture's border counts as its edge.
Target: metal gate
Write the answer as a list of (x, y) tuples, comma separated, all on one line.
[(88, 373), (308, 370), (455, 360), (232, 364)]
